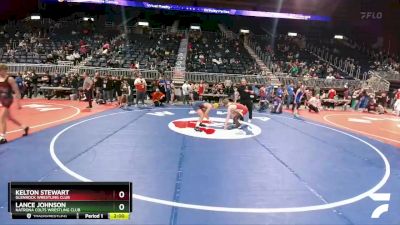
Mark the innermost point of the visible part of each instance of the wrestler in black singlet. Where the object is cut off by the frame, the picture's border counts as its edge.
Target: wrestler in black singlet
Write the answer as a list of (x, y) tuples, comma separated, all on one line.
[(6, 93)]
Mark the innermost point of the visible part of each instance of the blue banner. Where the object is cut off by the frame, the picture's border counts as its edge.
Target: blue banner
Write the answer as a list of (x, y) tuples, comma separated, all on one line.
[(235, 12)]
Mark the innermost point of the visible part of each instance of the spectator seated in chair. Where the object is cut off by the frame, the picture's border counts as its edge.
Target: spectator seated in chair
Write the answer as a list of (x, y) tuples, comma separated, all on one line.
[(263, 104), (158, 98), (277, 105), (373, 107)]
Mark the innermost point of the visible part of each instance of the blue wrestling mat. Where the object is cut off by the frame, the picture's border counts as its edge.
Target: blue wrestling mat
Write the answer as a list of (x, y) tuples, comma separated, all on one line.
[(275, 170)]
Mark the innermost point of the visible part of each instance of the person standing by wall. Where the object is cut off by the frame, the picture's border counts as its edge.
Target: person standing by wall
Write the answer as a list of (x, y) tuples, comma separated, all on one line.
[(98, 83), (168, 90), (34, 83), (172, 92), (355, 99), (290, 95), (141, 87), (195, 91), (88, 89), (108, 86), (162, 85), (20, 83), (201, 90), (297, 100), (191, 92), (185, 92), (117, 89)]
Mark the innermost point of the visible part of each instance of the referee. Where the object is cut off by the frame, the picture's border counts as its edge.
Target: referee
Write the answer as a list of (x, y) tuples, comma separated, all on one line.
[(246, 97)]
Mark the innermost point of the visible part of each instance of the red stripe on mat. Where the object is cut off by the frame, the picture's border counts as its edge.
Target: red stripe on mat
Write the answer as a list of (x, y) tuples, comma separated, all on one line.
[(385, 128), (40, 114)]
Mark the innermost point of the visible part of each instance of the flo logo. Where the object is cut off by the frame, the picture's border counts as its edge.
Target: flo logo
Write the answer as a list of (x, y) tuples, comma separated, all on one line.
[(214, 129), (371, 15)]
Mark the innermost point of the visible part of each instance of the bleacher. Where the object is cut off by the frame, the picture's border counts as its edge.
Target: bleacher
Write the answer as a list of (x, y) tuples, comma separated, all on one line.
[(148, 50), (51, 42), (289, 55), (211, 55), (210, 52)]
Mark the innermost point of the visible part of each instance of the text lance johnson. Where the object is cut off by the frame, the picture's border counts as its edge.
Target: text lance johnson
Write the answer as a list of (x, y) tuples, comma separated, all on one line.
[(40, 204)]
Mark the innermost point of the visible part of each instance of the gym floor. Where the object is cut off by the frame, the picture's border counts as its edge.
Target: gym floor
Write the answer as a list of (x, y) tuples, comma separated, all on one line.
[(328, 168)]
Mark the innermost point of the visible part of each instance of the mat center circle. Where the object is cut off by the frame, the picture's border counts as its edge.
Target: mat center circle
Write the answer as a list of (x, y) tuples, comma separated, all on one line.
[(214, 129)]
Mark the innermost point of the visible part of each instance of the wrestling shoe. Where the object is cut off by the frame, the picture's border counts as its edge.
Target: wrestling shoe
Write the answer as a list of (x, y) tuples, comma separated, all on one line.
[(26, 132), (3, 140)]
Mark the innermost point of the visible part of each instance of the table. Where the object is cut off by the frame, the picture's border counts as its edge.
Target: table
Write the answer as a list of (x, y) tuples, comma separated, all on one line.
[(49, 92), (214, 97)]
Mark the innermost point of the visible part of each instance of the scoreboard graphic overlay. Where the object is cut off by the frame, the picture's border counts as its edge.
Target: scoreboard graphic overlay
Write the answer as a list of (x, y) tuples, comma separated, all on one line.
[(70, 200)]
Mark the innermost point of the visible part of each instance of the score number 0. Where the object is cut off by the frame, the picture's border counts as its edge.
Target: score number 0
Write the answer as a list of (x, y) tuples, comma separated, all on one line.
[(121, 195)]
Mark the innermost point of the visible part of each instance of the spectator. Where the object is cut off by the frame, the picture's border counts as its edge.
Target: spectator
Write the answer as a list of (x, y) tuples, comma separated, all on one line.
[(98, 85), (57, 80), (255, 89), (191, 91), (141, 86), (88, 89), (382, 99), (229, 89), (276, 105), (317, 90), (236, 95), (355, 99), (397, 95), (308, 95), (201, 90), (332, 93), (47, 81), (34, 83), (77, 57), (330, 77), (373, 107), (185, 92), (157, 97), (126, 92), (290, 95), (168, 90), (364, 100), (396, 106), (172, 92), (280, 91), (117, 89), (74, 83), (108, 87), (162, 85), (263, 103), (20, 83)]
